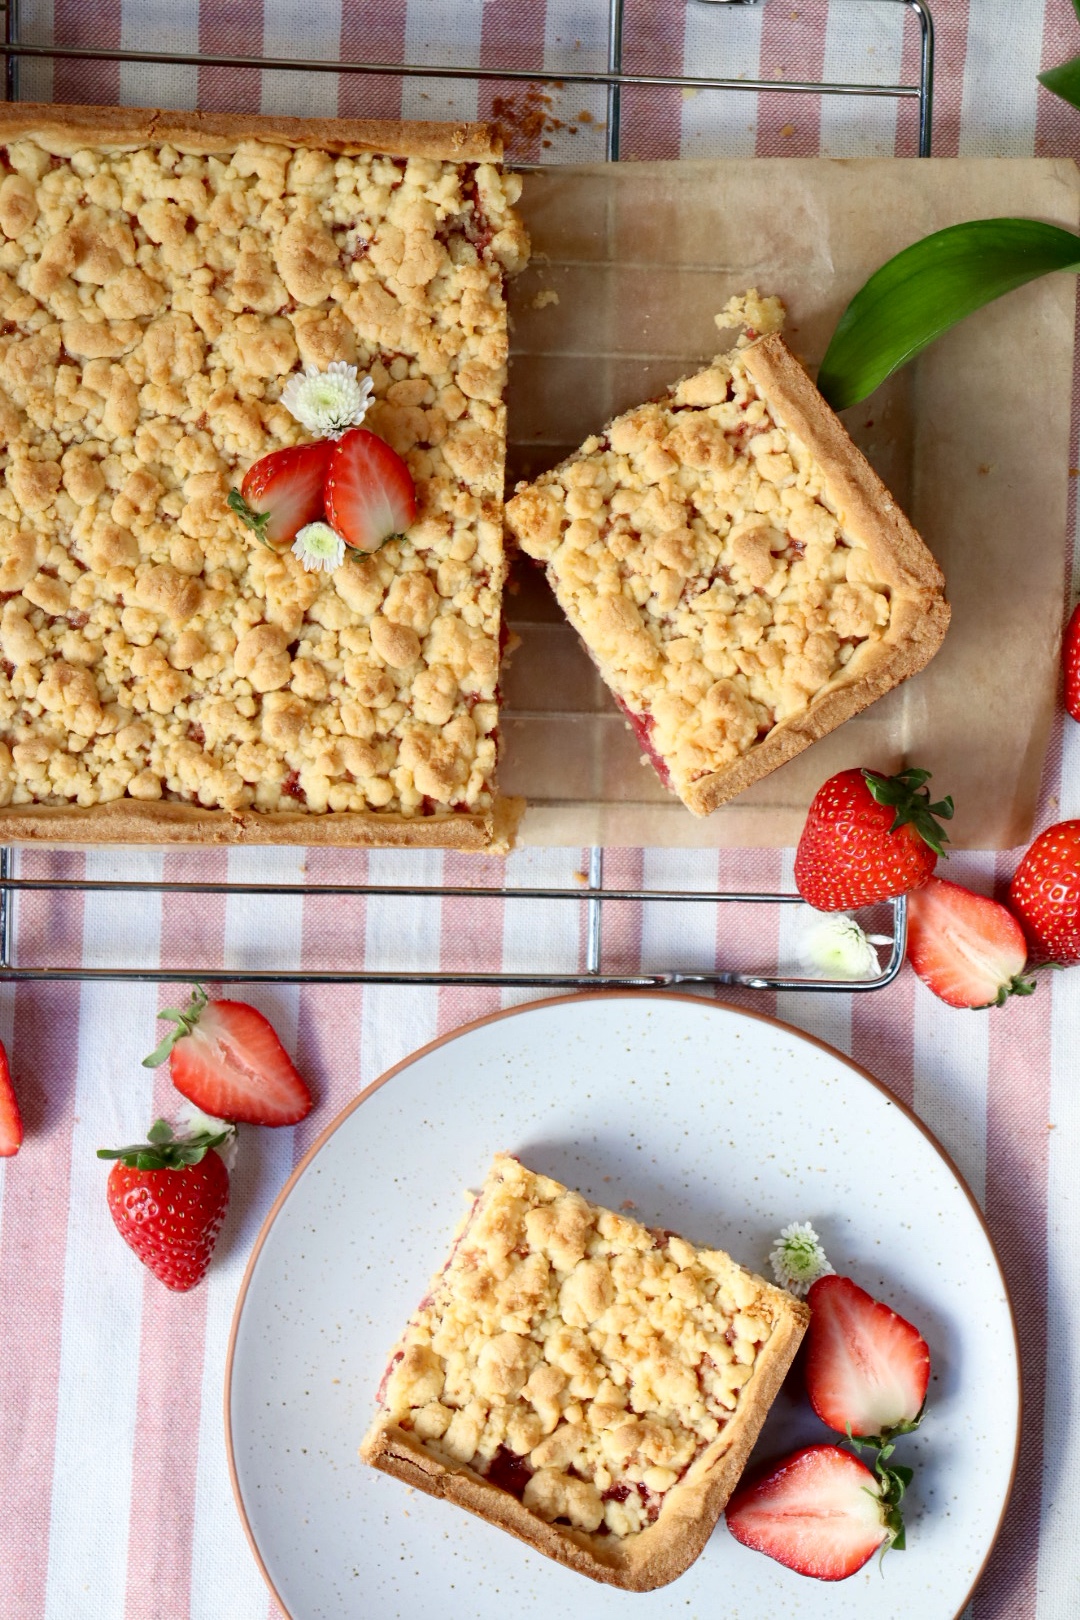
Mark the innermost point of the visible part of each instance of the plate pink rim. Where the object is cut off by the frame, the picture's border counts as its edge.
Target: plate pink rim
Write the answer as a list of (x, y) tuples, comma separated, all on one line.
[(556, 1001)]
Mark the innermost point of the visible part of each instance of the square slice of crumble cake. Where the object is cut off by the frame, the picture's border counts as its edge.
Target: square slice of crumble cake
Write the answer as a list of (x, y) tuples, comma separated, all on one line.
[(587, 1383), (164, 677), (738, 572)]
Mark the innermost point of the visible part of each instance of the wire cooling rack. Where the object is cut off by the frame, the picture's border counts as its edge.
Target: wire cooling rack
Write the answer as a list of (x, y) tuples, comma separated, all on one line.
[(593, 897)]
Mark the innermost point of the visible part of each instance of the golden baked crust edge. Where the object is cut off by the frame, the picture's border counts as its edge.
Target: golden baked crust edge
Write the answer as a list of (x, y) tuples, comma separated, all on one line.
[(920, 614), (64, 130), (168, 823), (691, 1508)]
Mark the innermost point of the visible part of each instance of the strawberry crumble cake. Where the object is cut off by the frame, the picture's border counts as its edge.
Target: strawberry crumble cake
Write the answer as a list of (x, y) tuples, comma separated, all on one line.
[(738, 572), (163, 677), (587, 1383)]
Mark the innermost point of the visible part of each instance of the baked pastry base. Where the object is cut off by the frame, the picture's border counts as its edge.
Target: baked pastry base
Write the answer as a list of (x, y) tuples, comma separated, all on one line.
[(689, 1509), (167, 822)]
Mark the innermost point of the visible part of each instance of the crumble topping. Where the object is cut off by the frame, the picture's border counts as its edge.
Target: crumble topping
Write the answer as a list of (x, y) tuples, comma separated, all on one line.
[(575, 1357), (152, 307), (694, 548)]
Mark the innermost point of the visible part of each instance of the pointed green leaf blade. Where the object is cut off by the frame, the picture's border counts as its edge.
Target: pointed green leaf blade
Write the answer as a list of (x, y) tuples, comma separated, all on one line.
[(930, 286), (1064, 81)]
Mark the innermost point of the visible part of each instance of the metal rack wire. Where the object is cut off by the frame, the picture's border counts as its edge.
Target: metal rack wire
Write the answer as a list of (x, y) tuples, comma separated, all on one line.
[(594, 896)]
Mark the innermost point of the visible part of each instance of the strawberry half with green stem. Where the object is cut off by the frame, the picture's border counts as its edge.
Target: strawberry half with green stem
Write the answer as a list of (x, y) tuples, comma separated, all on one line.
[(226, 1058), (369, 492), (867, 1369), (11, 1125), (1045, 894), (168, 1197), (282, 492), (868, 837), (966, 948), (821, 1512)]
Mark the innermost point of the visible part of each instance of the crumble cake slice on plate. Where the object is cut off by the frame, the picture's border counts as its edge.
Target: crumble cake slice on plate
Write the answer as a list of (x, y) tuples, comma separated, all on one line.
[(163, 677), (587, 1383), (737, 570)]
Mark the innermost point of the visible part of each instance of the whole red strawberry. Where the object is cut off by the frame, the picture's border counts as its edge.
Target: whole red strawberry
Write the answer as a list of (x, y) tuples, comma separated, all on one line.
[(1045, 894), (1070, 660), (168, 1197), (868, 837), (225, 1057)]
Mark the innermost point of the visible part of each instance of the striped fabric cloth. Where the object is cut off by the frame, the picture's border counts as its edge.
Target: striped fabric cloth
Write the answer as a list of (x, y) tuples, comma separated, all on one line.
[(116, 1499)]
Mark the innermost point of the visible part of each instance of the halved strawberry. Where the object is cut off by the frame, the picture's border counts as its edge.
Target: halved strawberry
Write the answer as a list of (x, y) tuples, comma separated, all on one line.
[(11, 1126), (369, 491), (866, 1367), (968, 949), (225, 1057), (821, 1512), (282, 492)]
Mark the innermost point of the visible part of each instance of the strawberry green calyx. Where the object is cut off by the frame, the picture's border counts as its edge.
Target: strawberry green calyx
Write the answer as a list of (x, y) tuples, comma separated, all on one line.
[(255, 521), (1018, 985), (892, 1484), (185, 1022), (164, 1150), (905, 794)]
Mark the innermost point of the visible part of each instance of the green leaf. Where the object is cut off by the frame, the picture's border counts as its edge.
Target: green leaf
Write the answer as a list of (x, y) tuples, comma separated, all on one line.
[(928, 288), (1064, 81)]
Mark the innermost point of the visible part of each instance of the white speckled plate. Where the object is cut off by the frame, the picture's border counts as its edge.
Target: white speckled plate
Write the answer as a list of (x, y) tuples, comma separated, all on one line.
[(716, 1123)]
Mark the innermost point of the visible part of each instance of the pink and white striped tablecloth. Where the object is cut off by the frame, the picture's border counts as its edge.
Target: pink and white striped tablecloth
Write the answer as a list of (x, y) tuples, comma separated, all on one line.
[(116, 1499)]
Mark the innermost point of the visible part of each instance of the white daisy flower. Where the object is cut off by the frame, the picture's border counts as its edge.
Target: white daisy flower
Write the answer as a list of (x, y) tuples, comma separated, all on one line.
[(798, 1259), (319, 546), (831, 945), (328, 402), (192, 1120)]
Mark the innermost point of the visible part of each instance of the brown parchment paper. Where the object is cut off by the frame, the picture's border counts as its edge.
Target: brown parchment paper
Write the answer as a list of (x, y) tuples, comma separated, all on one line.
[(631, 262)]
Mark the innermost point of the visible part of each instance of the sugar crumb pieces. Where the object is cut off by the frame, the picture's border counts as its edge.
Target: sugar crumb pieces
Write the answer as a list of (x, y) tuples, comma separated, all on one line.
[(544, 298), (758, 316)]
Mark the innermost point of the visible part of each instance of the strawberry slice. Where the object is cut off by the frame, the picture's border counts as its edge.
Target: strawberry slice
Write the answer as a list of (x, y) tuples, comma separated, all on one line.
[(283, 492), (866, 1367), (967, 949), (369, 491), (225, 1057), (11, 1126), (821, 1512)]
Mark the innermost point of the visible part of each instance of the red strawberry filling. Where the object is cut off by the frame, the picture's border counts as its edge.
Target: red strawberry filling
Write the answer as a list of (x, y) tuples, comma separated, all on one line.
[(642, 727), (509, 1472)]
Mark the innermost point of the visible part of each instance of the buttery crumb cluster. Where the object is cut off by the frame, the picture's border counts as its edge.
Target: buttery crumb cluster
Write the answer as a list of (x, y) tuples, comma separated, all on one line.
[(152, 306), (694, 549), (575, 1357)]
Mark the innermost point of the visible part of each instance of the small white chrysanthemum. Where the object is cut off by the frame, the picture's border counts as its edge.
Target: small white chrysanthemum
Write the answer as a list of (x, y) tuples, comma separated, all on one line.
[(831, 945), (328, 402), (319, 546), (798, 1259), (192, 1120)]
